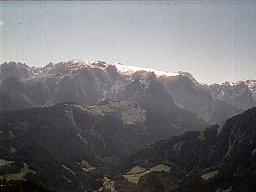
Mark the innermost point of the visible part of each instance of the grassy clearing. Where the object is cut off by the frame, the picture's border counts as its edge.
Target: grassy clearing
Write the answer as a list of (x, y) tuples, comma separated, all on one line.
[(130, 112), (4, 163), (69, 170), (19, 176), (109, 185), (229, 189), (134, 174), (209, 175), (136, 170), (87, 167)]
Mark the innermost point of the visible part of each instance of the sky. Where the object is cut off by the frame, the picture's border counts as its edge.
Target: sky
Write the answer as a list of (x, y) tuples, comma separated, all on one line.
[(213, 40)]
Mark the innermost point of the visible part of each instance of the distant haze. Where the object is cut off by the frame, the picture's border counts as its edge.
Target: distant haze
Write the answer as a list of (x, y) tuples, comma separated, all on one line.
[(213, 40)]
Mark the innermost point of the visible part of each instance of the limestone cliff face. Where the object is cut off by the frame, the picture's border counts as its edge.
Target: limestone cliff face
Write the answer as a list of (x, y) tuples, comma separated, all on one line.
[(239, 95), (198, 99)]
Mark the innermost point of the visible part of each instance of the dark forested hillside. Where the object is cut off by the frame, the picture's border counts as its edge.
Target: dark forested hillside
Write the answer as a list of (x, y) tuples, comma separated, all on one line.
[(76, 145), (218, 158)]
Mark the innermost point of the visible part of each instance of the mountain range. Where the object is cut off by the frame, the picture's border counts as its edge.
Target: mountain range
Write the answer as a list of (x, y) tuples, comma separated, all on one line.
[(95, 126), (88, 83)]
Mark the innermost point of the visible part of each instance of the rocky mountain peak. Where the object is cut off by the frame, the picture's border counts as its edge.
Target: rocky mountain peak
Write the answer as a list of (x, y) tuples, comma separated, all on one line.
[(19, 70)]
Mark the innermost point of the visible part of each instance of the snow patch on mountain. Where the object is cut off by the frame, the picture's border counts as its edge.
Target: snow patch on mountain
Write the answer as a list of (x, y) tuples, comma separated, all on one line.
[(251, 84), (128, 70)]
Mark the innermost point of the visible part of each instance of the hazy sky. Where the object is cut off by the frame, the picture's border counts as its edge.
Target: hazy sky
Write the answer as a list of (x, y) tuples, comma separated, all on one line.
[(214, 40)]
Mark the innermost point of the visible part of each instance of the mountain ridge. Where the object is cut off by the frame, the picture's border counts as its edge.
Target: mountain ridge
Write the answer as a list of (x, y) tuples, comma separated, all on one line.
[(88, 83)]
